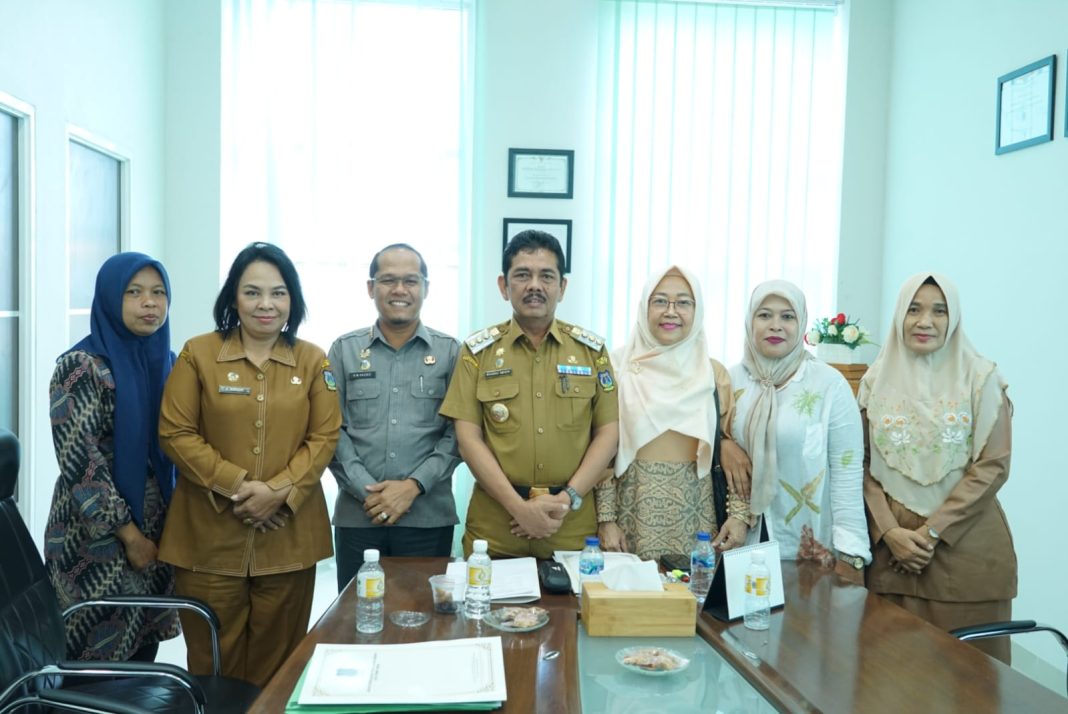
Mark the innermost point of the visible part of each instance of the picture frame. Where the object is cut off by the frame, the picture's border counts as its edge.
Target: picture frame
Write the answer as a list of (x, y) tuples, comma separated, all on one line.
[(541, 173), (558, 228), (1025, 106)]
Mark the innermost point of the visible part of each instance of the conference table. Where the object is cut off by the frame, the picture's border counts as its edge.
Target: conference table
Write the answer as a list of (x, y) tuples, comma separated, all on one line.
[(834, 647)]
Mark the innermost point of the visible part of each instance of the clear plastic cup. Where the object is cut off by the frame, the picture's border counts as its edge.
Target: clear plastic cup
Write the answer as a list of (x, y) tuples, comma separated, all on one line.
[(446, 591)]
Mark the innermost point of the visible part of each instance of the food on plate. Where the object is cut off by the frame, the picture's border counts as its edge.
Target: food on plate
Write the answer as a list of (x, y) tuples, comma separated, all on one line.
[(653, 659)]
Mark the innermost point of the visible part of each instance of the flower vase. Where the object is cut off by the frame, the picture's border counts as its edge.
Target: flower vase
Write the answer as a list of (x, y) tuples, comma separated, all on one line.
[(837, 354)]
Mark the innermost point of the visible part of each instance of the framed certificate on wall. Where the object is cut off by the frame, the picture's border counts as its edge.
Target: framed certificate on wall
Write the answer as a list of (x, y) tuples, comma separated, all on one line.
[(541, 173)]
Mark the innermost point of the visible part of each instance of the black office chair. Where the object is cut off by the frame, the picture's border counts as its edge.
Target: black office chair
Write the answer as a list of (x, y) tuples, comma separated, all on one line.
[(33, 639), (1012, 627)]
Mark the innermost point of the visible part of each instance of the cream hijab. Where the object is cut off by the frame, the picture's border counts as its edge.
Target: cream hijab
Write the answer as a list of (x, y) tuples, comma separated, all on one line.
[(929, 416), (770, 374), (664, 387)]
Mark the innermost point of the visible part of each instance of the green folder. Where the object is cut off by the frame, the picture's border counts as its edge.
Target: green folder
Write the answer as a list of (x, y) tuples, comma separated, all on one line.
[(294, 706)]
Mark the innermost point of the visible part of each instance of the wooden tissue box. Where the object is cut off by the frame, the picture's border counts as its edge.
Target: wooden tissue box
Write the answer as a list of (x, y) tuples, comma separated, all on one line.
[(612, 613)]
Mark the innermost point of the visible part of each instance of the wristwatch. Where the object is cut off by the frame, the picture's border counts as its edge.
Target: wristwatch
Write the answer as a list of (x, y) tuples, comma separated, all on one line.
[(576, 499), (854, 561), (933, 533)]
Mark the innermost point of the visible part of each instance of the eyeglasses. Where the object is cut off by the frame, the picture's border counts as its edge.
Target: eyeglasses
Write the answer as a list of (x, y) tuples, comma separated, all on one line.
[(410, 282), (681, 305)]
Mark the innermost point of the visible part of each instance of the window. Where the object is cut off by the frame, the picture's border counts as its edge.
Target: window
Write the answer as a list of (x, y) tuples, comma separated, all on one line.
[(96, 219), (721, 146), (347, 127)]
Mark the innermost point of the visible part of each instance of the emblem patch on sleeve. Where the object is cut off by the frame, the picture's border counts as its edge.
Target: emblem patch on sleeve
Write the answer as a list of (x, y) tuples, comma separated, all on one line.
[(328, 378)]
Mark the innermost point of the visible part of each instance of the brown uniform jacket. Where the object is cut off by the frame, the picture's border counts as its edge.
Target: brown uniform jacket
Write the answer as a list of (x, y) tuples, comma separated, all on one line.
[(975, 560), (224, 420)]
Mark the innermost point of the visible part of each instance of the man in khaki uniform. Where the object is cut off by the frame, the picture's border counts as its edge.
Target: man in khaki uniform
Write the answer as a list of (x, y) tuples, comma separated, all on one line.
[(536, 416)]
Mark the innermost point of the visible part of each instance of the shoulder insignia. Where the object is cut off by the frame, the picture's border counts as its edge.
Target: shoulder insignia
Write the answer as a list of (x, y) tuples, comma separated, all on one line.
[(482, 339), (587, 338), (326, 364)]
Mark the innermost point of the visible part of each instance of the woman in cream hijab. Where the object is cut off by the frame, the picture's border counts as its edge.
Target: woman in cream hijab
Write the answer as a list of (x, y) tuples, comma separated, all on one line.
[(939, 437), (797, 419), (661, 493)]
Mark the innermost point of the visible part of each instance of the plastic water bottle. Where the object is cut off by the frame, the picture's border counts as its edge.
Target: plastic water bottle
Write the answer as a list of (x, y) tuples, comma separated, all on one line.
[(591, 562), (702, 566), (479, 577), (370, 593), (757, 593)]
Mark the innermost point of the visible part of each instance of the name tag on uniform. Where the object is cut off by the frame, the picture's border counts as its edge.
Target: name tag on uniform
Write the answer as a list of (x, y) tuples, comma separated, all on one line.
[(498, 373), (575, 369), (362, 375), (223, 389)]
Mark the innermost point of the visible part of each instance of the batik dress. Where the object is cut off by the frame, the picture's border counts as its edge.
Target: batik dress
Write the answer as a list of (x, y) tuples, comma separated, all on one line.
[(83, 555)]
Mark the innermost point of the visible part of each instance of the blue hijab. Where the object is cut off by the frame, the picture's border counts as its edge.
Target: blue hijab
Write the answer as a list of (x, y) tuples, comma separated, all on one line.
[(140, 366)]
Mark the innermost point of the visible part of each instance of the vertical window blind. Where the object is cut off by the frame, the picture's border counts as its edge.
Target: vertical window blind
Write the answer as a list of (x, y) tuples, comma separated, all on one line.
[(346, 127), (719, 147)]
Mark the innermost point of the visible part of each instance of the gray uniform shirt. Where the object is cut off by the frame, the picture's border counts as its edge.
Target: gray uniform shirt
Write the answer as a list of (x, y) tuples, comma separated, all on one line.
[(390, 425)]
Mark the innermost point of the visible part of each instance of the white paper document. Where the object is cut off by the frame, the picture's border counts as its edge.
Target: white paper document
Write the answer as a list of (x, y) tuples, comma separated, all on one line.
[(570, 558), (514, 579), (437, 672)]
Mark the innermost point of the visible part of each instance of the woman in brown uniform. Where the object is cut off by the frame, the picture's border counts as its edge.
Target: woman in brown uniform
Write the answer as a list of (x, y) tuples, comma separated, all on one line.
[(250, 418), (939, 441)]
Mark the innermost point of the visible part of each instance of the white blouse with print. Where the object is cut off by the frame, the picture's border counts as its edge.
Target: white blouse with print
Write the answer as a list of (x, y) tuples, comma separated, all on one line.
[(820, 454)]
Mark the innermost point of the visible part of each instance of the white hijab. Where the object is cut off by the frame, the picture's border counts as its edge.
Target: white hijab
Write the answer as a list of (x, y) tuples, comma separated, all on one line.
[(929, 415), (666, 387), (770, 374)]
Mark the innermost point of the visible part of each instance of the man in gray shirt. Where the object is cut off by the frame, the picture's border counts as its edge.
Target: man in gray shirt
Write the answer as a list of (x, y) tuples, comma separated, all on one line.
[(395, 457)]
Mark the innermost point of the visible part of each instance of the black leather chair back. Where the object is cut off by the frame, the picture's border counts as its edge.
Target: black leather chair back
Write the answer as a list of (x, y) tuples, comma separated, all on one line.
[(31, 625)]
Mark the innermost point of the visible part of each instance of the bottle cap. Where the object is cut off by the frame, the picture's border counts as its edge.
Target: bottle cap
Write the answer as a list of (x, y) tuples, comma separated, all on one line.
[(757, 557), (704, 535), (370, 555), (480, 546), (593, 540)]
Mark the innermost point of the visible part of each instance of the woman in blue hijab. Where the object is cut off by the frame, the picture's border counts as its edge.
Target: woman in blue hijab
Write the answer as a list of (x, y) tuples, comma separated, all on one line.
[(114, 483)]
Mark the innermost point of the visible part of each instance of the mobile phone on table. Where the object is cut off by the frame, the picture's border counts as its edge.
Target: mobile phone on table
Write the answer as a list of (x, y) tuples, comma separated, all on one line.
[(675, 561)]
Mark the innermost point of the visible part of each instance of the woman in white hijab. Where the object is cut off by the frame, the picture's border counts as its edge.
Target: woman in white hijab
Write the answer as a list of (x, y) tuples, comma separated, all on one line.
[(797, 419), (939, 441), (662, 492)]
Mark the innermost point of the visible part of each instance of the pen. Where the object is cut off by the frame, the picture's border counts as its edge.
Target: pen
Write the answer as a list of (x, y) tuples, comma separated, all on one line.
[(420, 383)]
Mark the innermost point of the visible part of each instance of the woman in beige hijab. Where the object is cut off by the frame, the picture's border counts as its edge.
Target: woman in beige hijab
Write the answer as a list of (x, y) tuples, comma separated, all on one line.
[(939, 440), (661, 493)]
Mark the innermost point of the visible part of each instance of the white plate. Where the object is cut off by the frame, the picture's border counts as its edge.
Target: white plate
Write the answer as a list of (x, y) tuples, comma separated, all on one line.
[(493, 619), (626, 652)]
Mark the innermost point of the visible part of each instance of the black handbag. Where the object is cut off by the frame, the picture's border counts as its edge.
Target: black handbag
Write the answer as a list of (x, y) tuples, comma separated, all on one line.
[(719, 478)]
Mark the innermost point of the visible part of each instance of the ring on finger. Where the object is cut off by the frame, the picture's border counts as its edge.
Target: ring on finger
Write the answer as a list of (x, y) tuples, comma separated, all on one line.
[(383, 516)]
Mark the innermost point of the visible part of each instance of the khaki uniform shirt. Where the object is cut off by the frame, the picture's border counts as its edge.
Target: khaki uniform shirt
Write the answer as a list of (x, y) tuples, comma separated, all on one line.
[(223, 420), (537, 410)]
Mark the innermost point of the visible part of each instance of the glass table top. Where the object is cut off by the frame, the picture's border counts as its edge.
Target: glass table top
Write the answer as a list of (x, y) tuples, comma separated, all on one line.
[(709, 684)]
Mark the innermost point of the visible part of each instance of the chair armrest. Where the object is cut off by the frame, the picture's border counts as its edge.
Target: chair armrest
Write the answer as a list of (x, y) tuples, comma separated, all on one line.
[(64, 700), (109, 670), (1011, 627), (161, 602)]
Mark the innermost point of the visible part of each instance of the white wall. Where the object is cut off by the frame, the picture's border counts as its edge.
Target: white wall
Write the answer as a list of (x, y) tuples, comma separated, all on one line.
[(860, 249), (191, 170), (97, 66), (536, 88), (997, 226)]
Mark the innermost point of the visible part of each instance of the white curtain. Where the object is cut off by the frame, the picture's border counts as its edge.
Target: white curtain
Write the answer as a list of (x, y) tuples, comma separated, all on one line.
[(346, 127), (719, 145)]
